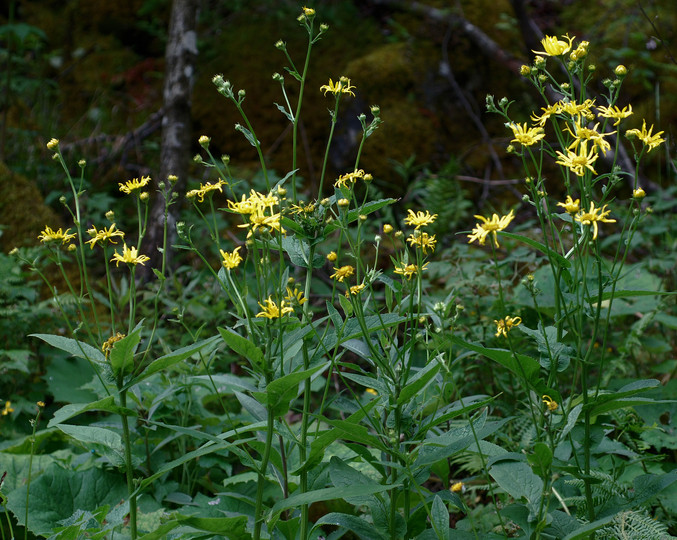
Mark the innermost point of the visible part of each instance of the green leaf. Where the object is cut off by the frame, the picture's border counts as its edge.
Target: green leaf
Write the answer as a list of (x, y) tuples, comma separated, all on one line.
[(418, 382), (521, 365), (355, 213), (74, 347), (170, 359), (109, 441), (343, 475), (57, 493), (519, 481), (230, 527), (548, 346), (356, 525), (284, 111), (122, 354), (540, 459), (439, 517), (320, 443), (106, 404), (328, 494), (242, 346), (561, 261), (248, 135), (604, 402), (280, 392), (16, 467), (627, 294)]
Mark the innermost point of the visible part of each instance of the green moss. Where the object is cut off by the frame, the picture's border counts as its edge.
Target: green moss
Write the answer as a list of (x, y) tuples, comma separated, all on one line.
[(24, 213)]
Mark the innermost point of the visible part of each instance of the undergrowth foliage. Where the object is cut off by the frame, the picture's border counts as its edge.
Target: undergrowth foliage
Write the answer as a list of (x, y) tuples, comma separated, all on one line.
[(336, 394)]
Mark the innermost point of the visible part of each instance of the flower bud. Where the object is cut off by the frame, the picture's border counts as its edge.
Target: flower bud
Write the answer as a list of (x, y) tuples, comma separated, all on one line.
[(281, 45), (82, 163), (638, 193), (621, 70), (324, 27), (387, 228), (173, 179), (525, 71), (363, 217), (52, 144), (197, 158), (204, 141), (110, 216), (144, 196), (225, 159), (277, 77), (282, 192), (343, 203)]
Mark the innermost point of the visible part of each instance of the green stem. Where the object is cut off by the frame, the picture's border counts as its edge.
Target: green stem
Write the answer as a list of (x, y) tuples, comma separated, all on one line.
[(30, 470), (258, 513), (128, 464)]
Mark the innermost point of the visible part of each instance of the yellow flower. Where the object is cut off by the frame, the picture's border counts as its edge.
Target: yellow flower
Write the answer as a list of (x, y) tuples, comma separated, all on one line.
[(349, 177), (7, 409), (133, 185), (582, 133), (457, 487), (231, 259), (554, 46), (354, 290), (387, 228), (40, 404), (302, 208), (503, 326), (108, 344), (331, 257), (549, 402), (638, 193), (129, 256), (615, 113), (308, 12), (409, 270), (570, 205), (341, 273), (652, 141), (371, 391), (593, 216), (104, 234), (490, 226), (423, 240), (577, 109), (49, 235), (295, 296), (204, 140), (204, 189), (342, 86), (52, 144), (577, 162), (547, 113), (259, 220), (526, 136), (419, 219), (272, 311)]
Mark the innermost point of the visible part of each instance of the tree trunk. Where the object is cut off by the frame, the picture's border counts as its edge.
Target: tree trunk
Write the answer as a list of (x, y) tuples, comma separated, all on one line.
[(180, 57)]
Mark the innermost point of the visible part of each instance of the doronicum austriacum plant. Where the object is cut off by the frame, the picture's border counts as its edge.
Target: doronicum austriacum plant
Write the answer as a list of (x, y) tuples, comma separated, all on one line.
[(331, 400)]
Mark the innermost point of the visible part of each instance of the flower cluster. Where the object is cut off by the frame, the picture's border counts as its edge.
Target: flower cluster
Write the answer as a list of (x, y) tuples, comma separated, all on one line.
[(260, 210)]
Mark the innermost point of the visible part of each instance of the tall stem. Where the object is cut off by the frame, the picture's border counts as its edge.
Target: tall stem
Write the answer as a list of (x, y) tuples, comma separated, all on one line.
[(128, 464)]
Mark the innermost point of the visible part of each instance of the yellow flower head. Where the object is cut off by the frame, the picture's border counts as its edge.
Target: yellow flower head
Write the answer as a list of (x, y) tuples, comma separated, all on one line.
[(308, 12), (7, 409), (387, 228), (555, 108), (582, 133), (371, 391), (457, 487), (134, 185), (342, 86), (108, 344), (272, 311), (349, 177), (503, 326), (341, 273), (354, 290), (570, 206), (52, 144), (48, 235), (490, 227), (419, 219), (295, 296), (555, 47), (331, 256), (129, 256), (526, 136), (232, 259), (104, 234), (578, 162), (204, 189), (616, 113), (652, 141), (409, 270), (638, 193), (423, 240), (550, 403), (593, 217)]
